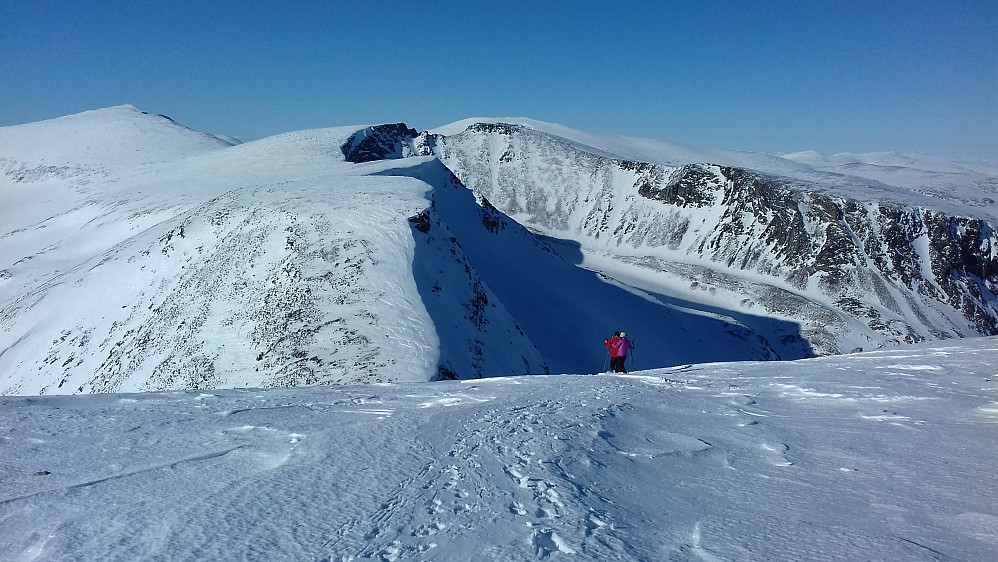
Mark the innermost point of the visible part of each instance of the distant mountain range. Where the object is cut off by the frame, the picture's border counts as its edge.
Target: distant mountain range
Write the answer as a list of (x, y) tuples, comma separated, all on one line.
[(137, 254)]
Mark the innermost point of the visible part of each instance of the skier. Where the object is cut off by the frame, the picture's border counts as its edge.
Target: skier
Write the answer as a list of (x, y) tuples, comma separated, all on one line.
[(622, 346), (611, 345)]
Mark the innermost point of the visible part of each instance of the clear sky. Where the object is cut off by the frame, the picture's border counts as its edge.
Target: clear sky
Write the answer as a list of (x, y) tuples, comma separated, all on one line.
[(769, 76)]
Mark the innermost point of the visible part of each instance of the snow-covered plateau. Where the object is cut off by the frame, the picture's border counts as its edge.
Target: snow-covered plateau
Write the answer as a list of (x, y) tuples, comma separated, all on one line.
[(251, 330), (885, 455)]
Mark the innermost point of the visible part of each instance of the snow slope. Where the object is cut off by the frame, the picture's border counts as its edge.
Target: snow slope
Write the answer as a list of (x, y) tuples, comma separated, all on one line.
[(137, 255), (266, 263), (112, 137), (566, 310), (876, 456)]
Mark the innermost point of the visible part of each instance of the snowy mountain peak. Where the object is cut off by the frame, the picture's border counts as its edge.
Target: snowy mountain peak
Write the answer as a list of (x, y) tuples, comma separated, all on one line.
[(137, 255), (114, 137)]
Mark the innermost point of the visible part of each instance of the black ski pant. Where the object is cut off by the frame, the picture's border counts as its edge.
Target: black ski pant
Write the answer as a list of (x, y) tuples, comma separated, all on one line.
[(617, 364)]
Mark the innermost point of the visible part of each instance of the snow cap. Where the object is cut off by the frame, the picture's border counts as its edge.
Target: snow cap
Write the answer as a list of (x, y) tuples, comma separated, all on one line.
[(623, 334)]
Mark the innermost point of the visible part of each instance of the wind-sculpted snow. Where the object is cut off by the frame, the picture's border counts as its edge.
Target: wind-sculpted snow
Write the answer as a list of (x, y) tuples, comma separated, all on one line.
[(876, 456), (887, 272)]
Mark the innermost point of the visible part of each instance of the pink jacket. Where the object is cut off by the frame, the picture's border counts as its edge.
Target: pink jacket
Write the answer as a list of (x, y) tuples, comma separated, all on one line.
[(622, 347)]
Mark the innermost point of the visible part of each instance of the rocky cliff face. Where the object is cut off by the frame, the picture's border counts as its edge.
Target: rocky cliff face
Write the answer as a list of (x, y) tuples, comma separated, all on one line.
[(385, 142), (871, 272), (898, 268)]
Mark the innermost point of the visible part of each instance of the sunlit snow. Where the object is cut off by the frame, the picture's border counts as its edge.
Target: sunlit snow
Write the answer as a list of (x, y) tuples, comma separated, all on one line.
[(877, 456)]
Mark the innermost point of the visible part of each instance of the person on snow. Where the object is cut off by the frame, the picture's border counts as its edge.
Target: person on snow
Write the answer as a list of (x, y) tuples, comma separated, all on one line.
[(622, 346), (611, 345)]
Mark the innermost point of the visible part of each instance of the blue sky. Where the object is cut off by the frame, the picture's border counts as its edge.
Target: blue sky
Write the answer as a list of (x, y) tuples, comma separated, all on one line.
[(832, 76)]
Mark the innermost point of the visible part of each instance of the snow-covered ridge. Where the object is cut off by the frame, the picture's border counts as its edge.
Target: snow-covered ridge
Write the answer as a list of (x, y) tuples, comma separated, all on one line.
[(279, 263), (267, 263), (372, 254), (917, 180), (282, 262)]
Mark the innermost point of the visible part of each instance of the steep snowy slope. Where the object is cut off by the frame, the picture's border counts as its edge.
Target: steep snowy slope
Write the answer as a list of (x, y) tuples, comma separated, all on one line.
[(922, 180), (564, 310), (330, 256), (857, 262)]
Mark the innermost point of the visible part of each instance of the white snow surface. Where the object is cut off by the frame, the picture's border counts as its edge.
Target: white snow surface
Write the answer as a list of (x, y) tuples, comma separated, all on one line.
[(878, 456), (184, 263), (113, 136)]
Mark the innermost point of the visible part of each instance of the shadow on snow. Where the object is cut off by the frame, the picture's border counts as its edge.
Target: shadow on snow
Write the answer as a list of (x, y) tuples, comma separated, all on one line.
[(567, 311)]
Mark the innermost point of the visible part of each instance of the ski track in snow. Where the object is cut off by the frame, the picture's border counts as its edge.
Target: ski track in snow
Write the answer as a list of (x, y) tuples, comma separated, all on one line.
[(868, 456)]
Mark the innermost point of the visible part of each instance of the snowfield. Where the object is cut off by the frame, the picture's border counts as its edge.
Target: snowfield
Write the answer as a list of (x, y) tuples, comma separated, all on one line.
[(877, 456)]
